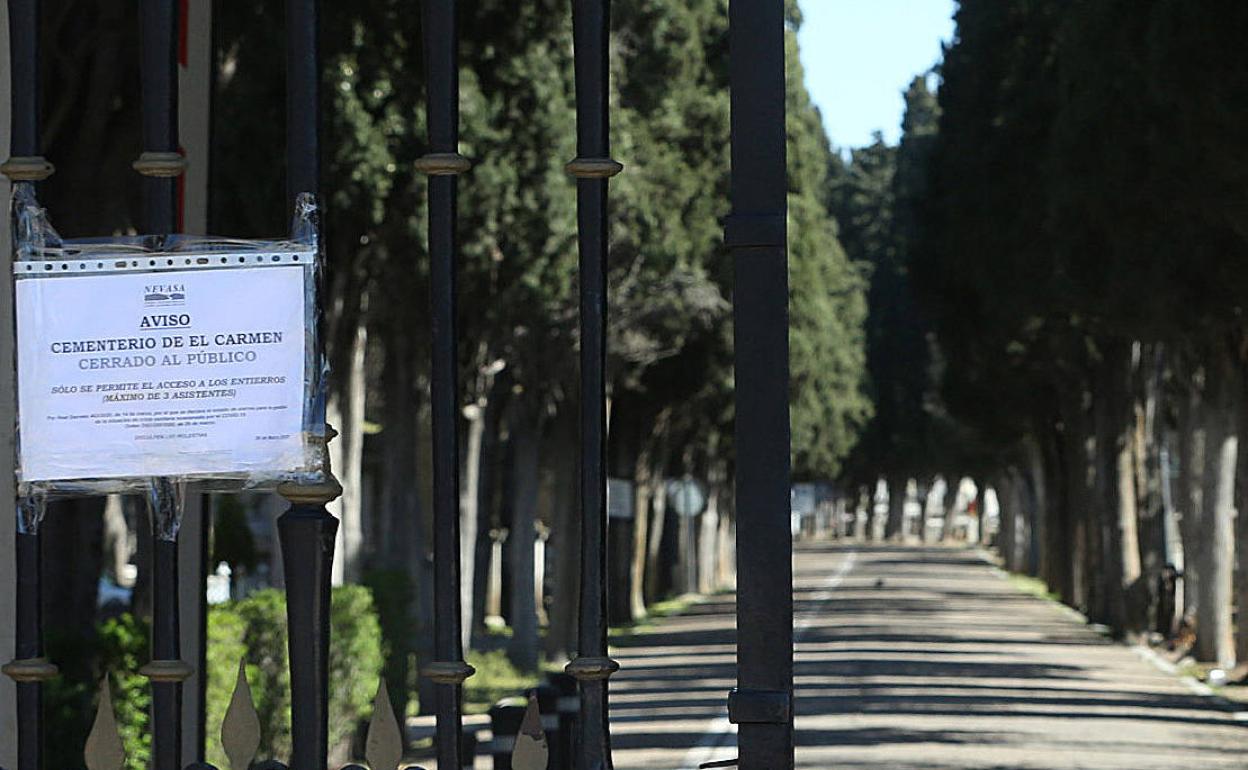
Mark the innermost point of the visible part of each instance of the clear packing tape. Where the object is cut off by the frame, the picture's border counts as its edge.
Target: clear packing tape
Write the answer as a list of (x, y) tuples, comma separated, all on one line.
[(166, 358)]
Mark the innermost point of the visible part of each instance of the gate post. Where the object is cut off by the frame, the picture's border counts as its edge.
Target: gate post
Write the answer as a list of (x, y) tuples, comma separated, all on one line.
[(755, 233)]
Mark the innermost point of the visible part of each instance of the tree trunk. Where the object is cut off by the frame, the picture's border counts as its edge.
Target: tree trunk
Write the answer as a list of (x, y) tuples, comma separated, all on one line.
[(1190, 502), (1064, 545), (1172, 546), (1241, 518), (641, 534), (116, 538), (488, 482), (1148, 468), (1116, 438), (526, 432), (726, 558), (925, 506), (1038, 507), (405, 544), (565, 538), (1081, 581), (346, 413), (708, 526), (470, 512), (686, 577), (708, 543), (654, 577), (482, 553), (494, 578), (895, 525), (877, 524), (1007, 512), (981, 512), (1214, 636), (952, 482), (862, 514)]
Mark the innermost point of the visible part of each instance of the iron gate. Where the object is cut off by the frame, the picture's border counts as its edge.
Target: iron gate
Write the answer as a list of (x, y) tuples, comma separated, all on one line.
[(755, 233)]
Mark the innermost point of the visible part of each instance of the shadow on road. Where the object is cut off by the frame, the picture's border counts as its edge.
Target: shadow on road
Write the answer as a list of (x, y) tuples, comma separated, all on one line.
[(920, 658)]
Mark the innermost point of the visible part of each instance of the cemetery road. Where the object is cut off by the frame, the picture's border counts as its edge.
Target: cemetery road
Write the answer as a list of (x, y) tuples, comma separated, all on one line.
[(922, 658)]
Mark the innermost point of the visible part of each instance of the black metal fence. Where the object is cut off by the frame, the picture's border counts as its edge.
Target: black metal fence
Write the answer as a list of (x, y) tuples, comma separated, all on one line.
[(755, 233)]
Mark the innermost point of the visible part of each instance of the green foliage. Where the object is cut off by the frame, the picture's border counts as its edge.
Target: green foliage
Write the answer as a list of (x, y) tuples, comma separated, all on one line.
[(670, 277), (119, 648), (123, 650), (355, 660), (496, 678), (987, 274), (827, 306), (1086, 191), (68, 703), (226, 631), (253, 629), (256, 628), (393, 595), (878, 198)]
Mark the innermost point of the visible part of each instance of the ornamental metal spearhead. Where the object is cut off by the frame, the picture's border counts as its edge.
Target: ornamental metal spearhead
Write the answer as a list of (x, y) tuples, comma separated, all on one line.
[(383, 748), (531, 751), (104, 750), (240, 730)]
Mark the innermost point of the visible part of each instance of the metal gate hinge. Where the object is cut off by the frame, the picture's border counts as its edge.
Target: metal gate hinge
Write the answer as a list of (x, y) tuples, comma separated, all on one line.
[(759, 707)]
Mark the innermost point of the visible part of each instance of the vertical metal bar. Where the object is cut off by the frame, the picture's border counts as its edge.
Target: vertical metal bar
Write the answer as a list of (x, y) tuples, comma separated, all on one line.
[(160, 162), (167, 670), (24, 63), (307, 529), (24, 163), (307, 533), (443, 163), (29, 669), (29, 647), (592, 168), (193, 610), (756, 235), (302, 99)]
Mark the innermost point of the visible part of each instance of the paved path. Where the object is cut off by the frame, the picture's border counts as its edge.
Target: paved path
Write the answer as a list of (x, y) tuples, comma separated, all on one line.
[(921, 659)]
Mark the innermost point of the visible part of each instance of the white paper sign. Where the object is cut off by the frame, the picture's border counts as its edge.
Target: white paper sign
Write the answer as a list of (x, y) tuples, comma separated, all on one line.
[(189, 372)]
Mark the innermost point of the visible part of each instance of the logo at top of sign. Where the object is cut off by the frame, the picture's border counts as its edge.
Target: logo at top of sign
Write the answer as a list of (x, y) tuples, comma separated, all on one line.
[(164, 294)]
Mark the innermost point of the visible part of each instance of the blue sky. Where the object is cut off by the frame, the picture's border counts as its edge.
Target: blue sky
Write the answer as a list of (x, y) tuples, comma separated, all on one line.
[(859, 56)]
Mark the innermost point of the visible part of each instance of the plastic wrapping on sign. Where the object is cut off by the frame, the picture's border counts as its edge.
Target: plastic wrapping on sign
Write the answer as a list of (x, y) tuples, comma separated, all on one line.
[(146, 362)]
